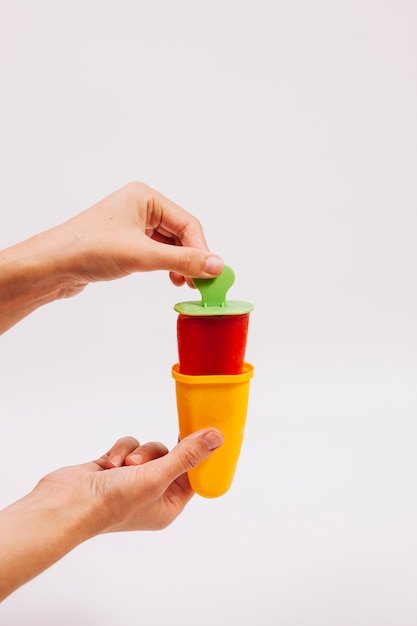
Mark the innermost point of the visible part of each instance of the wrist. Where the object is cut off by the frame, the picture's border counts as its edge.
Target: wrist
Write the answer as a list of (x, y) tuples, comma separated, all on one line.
[(37, 531)]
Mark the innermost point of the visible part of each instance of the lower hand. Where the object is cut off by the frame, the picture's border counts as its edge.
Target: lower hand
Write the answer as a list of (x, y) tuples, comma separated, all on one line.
[(146, 489), (132, 487)]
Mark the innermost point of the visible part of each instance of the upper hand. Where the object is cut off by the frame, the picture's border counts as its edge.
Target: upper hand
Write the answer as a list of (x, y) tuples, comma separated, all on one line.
[(134, 229)]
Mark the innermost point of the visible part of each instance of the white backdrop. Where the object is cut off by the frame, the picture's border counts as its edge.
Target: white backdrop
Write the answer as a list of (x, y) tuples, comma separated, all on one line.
[(290, 130)]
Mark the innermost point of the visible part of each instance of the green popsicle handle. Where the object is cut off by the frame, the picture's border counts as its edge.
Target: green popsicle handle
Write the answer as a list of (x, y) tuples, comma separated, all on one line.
[(214, 290), (213, 297)]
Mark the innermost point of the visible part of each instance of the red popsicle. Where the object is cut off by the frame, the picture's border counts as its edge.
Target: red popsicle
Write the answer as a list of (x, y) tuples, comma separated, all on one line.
[(211, 344), (212, 334)]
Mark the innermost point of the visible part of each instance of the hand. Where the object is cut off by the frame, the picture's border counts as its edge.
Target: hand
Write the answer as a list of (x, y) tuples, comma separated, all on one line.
[(146, 488), (147, 491), (135, 229)]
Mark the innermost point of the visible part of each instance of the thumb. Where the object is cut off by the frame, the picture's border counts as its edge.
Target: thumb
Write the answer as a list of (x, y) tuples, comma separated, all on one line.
[(191, 451), (187, 261)]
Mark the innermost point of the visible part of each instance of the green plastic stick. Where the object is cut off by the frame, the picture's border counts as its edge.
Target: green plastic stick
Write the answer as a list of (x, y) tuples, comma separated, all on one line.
[(214, 290), (213, 297)]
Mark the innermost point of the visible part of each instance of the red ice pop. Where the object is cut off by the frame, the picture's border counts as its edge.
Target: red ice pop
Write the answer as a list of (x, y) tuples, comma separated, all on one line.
[(212, 334)]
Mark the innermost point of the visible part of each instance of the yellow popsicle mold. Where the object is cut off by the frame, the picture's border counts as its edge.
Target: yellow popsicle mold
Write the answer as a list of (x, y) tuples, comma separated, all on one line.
[(220, 401)]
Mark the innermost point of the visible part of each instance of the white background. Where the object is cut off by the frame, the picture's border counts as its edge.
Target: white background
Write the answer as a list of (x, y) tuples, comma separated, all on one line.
[(290, 130)]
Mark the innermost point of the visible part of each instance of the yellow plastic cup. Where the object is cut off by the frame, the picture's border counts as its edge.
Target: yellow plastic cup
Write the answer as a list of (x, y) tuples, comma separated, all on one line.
[(220, 401)]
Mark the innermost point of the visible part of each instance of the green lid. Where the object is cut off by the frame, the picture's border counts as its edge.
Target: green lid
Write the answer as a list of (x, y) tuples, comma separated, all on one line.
[(213, 297)]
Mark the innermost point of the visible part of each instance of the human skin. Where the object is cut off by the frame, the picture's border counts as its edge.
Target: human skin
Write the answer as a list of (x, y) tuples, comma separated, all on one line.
[(126, 232), (146, 490), (133, 486)]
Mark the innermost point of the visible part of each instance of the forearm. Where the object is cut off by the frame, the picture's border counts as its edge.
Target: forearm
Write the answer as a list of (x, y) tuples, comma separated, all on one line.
[(35, 532), (30, 276)]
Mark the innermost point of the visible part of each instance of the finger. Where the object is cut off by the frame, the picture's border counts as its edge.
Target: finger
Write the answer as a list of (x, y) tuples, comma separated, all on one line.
[(185, 261), (146, 452), (179, 280), (180, 492), (173, 220), (188, 453), (190, 257), (115, 457)]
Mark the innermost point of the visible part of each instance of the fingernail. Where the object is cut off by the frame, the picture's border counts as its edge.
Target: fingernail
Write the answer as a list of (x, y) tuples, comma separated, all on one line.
[(116, 460), (136, 458), (214, 265), (213, 440)]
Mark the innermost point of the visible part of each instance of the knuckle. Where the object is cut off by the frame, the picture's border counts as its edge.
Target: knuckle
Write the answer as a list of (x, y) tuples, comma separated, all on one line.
[(132, 441), (138, 189), (136, 185), (190, 456), (185, 261)]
